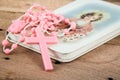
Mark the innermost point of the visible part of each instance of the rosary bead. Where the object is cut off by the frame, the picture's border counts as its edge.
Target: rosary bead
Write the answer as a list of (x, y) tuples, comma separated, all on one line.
[(5, 42), (23, 33), (7, 51), (22, 39), (73, 25), (14, 46), (43, 8), (35, 5), (33, 30)]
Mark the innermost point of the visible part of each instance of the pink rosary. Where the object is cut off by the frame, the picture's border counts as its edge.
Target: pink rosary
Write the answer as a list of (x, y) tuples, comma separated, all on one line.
[(39, 26)]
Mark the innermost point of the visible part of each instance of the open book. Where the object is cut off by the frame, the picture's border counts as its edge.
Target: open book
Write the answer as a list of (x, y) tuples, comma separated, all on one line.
[(105, 21)]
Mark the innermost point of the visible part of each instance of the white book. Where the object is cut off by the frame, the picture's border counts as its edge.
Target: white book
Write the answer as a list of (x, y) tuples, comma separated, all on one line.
[(105, 29)]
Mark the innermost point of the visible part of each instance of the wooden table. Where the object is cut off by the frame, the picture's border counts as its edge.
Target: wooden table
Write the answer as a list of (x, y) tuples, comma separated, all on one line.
[(102, 63)]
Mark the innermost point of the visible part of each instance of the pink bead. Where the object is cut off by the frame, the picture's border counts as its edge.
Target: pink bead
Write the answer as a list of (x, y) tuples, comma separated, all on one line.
[(66, 31), (50, 12), (52, 27), (30, 11), (58, 15), (35, 5), (37, 14), (54, 18), (34, 19), (49, 24), (42, 23), (14, 46), (7, 51), (5, 42), (56, 22), (22, 39), (45, 19), (32, 24), (53, 33), (26, 15), (73, 25), (33, 35), (43, 8), (49, 17), (23, 33), (33, 30), (67, 21), (45, 27), (61, 18)]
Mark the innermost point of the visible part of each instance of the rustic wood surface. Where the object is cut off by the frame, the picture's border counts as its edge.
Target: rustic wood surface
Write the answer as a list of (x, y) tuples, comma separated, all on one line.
[(102, 63)]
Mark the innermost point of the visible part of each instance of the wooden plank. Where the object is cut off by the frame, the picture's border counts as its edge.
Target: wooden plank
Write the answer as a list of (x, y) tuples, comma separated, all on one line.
[(115, 41), (22, 6)]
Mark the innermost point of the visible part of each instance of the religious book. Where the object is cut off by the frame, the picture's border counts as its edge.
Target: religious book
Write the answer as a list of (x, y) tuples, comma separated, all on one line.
[(96, 23)]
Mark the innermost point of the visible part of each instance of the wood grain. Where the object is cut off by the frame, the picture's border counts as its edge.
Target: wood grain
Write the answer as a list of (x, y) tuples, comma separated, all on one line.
[(102, 63)]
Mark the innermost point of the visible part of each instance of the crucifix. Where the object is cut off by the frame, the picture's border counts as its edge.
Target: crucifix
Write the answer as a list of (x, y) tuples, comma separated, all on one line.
[(43, 40)]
